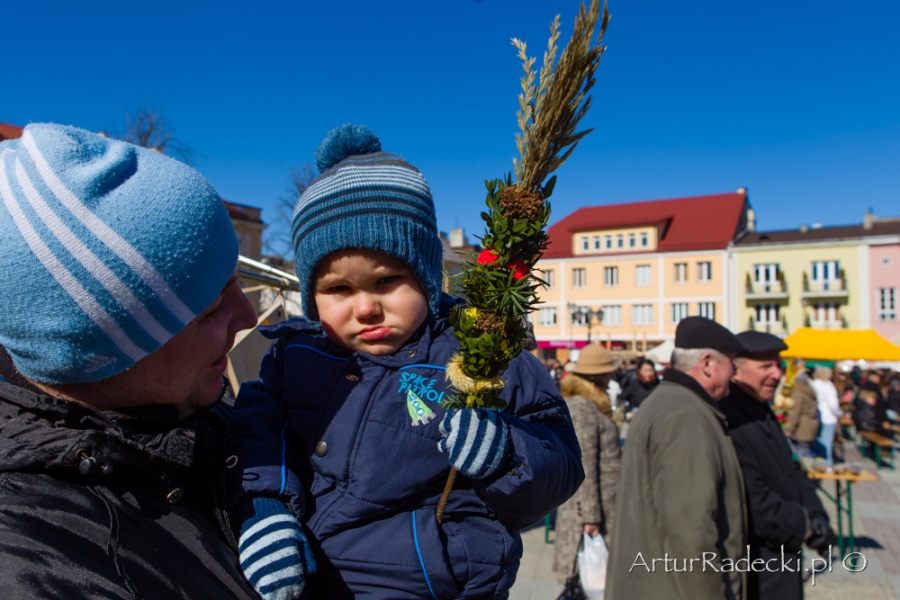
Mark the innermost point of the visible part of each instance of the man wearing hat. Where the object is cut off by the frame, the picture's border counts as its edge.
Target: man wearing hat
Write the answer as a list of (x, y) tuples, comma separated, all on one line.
[(783, 508), (682, 519), (120, 304)]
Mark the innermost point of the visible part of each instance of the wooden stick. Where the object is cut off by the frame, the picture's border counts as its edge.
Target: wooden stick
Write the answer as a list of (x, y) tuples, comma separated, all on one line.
[(446, 495)]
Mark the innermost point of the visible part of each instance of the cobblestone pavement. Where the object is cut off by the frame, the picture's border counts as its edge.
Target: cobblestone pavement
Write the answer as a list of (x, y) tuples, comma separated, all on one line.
[(876, 523)]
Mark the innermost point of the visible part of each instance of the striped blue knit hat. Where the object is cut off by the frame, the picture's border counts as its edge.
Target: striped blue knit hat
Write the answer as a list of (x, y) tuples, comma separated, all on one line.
[(366, 198), (108, 250)]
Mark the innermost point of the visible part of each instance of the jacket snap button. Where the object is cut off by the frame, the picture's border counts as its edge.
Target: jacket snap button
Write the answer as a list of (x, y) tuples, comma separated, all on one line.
[(321, 448), (411, 353), (351, 377), (174, 496)]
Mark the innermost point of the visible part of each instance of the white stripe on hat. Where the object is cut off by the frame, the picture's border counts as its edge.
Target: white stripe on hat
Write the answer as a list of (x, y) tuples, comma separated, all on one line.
[(63, 277), (140, 265), (349, 177), (109, 280)]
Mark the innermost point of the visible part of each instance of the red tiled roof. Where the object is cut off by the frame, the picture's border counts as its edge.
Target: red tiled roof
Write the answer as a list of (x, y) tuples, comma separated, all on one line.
[(239, 212), (9, 132), (694, 223)]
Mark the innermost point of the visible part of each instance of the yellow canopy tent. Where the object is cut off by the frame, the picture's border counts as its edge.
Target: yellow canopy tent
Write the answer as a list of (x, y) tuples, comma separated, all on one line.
[(840, 344)]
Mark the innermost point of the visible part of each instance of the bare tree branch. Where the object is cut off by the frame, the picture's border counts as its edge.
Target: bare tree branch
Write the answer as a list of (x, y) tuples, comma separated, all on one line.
[(148, 128), (278, 235)]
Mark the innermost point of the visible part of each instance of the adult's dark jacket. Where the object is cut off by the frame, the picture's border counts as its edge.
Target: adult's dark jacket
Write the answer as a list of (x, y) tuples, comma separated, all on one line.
[(636, 391), (780, 497), (109, 505), (870, 417)]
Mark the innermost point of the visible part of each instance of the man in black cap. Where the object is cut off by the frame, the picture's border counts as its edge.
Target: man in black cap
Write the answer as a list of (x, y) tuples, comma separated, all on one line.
[(782, 505), (681, 481)]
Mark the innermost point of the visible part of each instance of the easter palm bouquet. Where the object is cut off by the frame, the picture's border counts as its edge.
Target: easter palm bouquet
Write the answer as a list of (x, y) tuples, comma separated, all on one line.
[(499, 285)]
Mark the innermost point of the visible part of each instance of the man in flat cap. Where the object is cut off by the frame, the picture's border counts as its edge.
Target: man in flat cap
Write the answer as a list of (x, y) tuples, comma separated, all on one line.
[(681, 525), (782, 505), (119, 306)]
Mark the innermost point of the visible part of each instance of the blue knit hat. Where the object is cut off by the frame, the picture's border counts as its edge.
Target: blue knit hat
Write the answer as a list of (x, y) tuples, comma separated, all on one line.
[(366, 198), (108, 250)]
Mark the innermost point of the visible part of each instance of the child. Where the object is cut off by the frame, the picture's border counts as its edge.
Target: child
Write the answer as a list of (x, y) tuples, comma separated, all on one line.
[(344, 431)]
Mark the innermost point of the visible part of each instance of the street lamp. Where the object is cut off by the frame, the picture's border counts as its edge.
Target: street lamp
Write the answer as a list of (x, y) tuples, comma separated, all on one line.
[(587, 315)]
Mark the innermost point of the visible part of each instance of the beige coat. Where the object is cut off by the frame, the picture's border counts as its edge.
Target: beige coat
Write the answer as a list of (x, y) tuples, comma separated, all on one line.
[(681, 495), (595, 500), (803, 420)]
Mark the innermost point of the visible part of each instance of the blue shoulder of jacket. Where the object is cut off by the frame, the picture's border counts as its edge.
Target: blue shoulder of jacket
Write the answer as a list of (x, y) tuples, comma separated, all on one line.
[(290, 327)]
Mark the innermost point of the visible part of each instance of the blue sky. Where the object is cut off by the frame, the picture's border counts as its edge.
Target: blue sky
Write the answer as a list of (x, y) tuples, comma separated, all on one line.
[(797, 100)]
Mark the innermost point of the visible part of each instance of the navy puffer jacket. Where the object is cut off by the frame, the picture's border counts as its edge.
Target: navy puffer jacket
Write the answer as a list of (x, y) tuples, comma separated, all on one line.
[(350, 441)]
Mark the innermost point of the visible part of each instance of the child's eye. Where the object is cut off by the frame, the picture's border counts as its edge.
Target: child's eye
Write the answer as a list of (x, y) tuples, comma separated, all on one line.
[(336, 289), (389, 279)]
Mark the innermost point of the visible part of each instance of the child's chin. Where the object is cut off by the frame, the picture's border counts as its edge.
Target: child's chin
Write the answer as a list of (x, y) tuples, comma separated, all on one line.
[(380, 348)]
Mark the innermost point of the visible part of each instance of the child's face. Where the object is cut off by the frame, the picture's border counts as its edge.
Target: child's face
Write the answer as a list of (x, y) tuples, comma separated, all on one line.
[(368, 301)]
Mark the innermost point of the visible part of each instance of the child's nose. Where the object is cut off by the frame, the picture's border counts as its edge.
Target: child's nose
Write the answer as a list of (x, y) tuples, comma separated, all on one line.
[(367, 306)]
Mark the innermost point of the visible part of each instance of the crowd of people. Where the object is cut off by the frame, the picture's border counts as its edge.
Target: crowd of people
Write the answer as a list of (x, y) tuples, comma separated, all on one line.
[(763, 499)]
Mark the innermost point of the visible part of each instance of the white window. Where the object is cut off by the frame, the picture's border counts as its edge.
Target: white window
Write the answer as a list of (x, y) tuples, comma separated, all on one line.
[(767, 314), (642, 314), (887, 304), (631, 240), (579, 280), (704, 271), (596, 242), (584, 244), (620, 241), (679, 311), (826, 274), (765, 276), (642, 275), (549, 278), (610, 276), (707, 309), (607, 240), (612, 315), (547, 316), (826, 314), (644, 240), (680, 272)]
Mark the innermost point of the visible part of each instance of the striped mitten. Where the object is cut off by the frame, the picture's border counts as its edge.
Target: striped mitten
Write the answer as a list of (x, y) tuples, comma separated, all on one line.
[(274, 553), (477, 440)]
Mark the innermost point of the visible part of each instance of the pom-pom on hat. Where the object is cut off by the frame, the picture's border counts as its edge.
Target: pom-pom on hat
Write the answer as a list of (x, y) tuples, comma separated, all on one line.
[(366, 198), (108, 251)]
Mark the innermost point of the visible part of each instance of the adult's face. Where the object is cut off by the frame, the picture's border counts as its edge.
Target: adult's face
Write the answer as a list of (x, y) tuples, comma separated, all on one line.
[(717, 374), (646, 372), (187, 371), (759, 376)]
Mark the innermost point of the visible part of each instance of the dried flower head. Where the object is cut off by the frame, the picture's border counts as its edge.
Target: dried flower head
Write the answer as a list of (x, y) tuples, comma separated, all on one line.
[(520, 203)]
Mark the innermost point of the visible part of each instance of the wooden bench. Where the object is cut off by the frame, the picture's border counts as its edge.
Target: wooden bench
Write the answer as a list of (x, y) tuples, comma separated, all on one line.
[(878, 443)]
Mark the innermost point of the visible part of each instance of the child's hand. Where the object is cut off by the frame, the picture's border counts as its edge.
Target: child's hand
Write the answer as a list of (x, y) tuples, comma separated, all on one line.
[(477, 440), (274, 553)]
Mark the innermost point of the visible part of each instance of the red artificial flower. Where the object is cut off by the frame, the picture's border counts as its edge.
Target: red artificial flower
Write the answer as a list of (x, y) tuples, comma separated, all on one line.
[(519, 269), (487, 257)]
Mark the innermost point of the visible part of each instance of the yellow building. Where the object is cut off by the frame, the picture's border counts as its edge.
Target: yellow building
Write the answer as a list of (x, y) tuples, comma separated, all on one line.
[(820, 277), (626, 274)]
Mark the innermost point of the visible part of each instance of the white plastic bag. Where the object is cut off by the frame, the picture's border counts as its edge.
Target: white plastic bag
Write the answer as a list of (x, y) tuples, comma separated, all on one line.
[(592, 566)]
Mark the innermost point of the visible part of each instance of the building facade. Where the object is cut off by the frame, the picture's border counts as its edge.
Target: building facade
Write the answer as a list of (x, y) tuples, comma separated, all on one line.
[(627, 274), (842, 277)]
